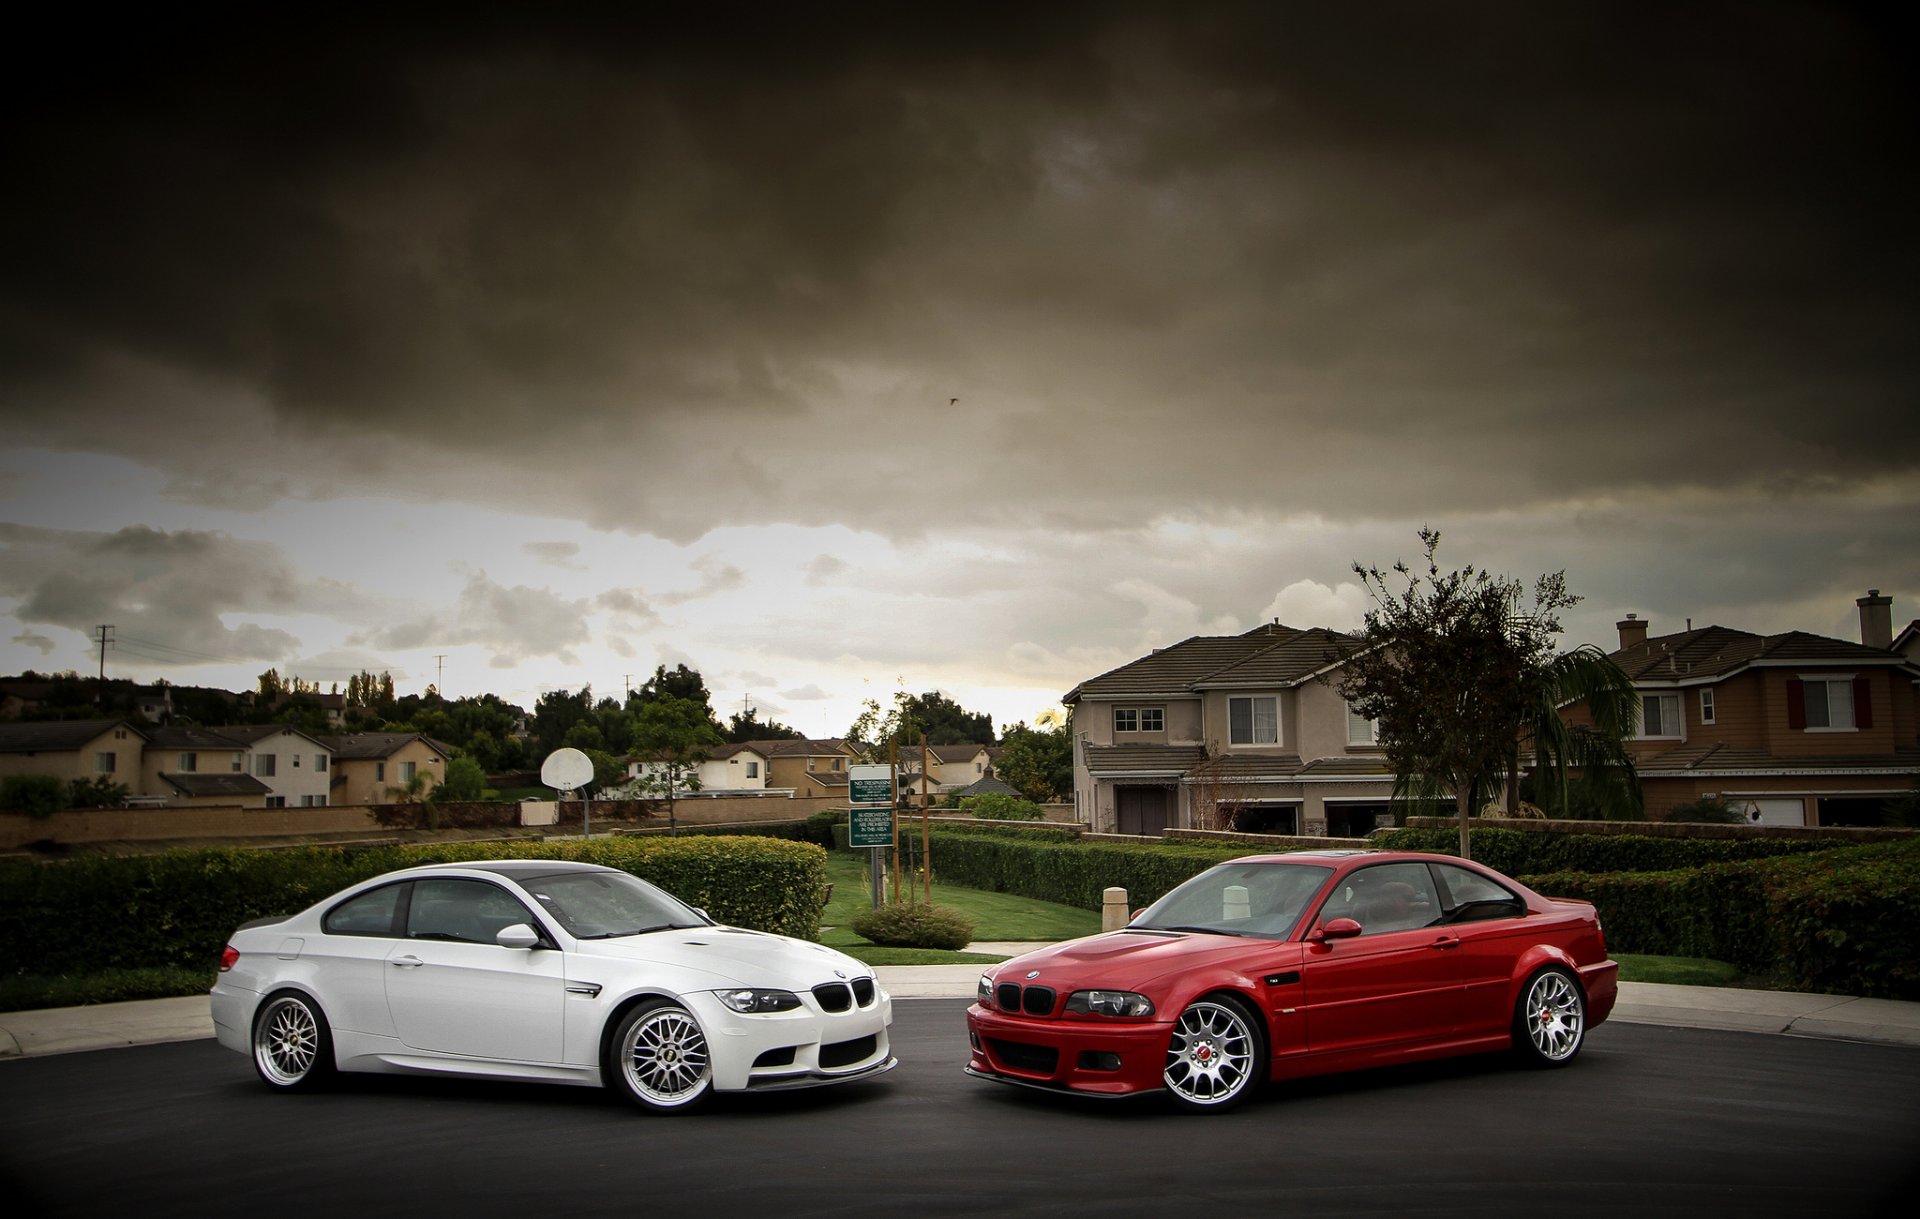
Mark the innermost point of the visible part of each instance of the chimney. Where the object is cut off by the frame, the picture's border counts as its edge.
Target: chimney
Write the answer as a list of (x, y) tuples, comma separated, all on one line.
[(1876, 620), (1633, 631)]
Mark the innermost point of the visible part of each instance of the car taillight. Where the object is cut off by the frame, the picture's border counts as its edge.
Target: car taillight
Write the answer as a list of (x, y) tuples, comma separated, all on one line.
[(229, 956)]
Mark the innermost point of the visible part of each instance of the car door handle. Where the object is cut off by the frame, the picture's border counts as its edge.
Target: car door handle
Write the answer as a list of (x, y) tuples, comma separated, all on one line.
[(1447, 941), (407, 962)]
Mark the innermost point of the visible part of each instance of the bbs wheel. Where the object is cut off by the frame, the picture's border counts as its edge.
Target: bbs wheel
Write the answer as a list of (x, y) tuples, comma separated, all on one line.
[(292, 1049), (658, 1058), (1550, 1022), (1215, 1056)]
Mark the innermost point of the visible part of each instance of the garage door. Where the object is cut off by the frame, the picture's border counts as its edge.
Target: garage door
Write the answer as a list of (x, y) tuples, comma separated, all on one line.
[(1142, 810), (1777, 811)]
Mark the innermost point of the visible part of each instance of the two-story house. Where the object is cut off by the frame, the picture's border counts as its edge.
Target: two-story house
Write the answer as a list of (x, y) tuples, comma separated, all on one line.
[(295, 767), (942, 769), (1229, 731), (74, 749), (809, 768), (199, 766), (727, 768), (1792, 729), (375, 767)]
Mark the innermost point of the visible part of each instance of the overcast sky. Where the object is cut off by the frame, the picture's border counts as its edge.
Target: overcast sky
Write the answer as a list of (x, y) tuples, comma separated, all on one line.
[(833, 350)]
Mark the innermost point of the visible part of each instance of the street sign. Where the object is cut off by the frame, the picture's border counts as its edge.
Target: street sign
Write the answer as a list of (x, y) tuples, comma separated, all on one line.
[(870, 792)]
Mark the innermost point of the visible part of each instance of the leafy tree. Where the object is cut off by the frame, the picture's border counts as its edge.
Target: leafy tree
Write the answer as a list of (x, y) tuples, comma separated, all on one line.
[(944, 722), (465, 781), (744, 726), (1607, 781), (1446, 667), (1038, 761), (673, 736), (555, 713)]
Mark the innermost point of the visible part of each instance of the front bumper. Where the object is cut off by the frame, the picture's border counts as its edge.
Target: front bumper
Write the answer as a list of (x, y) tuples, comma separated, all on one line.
[(1093, 1057), (803, 1048)]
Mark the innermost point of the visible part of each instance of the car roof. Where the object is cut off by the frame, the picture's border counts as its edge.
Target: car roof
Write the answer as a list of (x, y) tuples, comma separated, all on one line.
[(512, 869)]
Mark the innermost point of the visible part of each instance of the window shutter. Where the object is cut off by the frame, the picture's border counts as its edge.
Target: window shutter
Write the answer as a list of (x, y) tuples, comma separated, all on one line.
[(1796, 703), (1862, 703)]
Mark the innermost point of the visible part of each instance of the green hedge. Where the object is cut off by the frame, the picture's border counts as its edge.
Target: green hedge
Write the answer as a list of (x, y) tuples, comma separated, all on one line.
[(178, 908), (1041, 865), (1521, 852), (1844, 921)]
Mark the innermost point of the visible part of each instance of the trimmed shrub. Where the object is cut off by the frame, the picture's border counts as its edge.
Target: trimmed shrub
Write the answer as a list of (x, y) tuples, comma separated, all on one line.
[(1706, 811), (1523, 852), (914, 925), (999, 806), (177, 908), (1057, 868)]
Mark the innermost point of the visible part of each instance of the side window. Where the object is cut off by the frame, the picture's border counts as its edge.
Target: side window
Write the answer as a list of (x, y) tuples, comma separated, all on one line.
[(471, 911), (1386, 897), (1472, 897), (370, 913)]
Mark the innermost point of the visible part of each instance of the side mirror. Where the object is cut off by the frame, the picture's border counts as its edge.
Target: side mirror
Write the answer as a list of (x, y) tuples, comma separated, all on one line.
[(517, 935), (1336, 929), (1135, 916)]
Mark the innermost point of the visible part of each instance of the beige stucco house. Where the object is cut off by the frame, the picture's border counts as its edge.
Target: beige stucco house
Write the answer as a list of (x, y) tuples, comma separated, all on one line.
[(75, 749), (1229, 731), (295, 767), (371, 767)]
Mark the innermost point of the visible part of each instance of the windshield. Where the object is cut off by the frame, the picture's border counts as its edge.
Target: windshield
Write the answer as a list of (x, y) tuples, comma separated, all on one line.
[(1259, 900), (602, 905)]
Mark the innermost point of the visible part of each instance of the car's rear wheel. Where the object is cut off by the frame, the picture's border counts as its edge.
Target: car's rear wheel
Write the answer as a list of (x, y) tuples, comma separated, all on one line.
[(1550, 1021), (659, 1058), (1215, 1056), (292, 1046)]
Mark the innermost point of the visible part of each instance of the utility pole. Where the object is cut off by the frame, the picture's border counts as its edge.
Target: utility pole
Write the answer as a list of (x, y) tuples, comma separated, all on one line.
[(440, 674), (104, 634)]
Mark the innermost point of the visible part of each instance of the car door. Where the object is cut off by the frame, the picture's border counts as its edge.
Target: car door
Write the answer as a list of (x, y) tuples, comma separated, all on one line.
[(1490, 920), (1395, 985), (357, 936), (452, 990)]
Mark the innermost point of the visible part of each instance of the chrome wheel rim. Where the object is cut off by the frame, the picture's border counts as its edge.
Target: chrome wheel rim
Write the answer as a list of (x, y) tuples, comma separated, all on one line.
[(664, 1057), (1554, 1016), (1210, 1056), (288, 1041)]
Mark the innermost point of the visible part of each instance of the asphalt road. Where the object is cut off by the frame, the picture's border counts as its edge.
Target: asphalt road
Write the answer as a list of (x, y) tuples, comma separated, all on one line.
[(1650, 1121)]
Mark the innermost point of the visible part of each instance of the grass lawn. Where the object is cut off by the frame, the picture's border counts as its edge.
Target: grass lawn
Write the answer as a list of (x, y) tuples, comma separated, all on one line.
[(996, 916), (1681, 971)]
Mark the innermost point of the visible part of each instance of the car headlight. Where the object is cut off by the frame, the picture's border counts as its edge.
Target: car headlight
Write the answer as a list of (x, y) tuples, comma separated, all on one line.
[(753, 1001), (1108, 1003), (984, 992)]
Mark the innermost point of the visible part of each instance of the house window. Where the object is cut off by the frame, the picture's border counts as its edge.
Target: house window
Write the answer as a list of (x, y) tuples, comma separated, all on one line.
[(1126, 719), (1706, 706), (319, 761), (265, 765), (276, 802), (1253, 721), (1152, 719), (1829, 703), (753, 770), (1139, 719), (313, 802), (379, 772), (1660, 716), (835, 764), (103, 763), (189, 762), (1360, 729), (408, 770), (296, 761)]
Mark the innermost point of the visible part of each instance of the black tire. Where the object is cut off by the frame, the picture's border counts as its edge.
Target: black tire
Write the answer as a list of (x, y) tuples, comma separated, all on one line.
[(1550, 1019), (658, 1058), (1216, 1055), (292, 1045)]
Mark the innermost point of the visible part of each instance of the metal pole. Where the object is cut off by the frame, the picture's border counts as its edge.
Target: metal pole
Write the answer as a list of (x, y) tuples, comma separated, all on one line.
[(926, 817), (893, 810)]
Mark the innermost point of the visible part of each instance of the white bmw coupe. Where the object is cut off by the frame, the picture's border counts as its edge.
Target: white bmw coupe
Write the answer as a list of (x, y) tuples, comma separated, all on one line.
[(544, 970)]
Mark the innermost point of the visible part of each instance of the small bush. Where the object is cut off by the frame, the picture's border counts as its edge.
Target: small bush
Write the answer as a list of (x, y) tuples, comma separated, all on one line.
[(999, 806), (914, 925), (34, 795), (100, 792)]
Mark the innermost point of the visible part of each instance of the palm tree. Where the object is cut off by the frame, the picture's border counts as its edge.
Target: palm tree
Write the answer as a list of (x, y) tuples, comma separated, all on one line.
[(1597, 750)]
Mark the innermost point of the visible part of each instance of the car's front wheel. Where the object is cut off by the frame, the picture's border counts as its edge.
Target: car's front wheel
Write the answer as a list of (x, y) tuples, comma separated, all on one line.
[(292, 1046), (1215, 1057), (658, 1057), (1550, 1021)]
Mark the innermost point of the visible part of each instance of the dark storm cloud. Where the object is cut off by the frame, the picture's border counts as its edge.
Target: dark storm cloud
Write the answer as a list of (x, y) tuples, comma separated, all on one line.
[(1232, 257), (514, 624)]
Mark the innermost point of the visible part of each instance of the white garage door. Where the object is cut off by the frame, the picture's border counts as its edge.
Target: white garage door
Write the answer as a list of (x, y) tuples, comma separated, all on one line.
[(1777, 811)]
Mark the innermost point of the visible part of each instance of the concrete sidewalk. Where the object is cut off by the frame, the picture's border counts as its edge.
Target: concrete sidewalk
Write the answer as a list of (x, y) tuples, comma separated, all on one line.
[(1884, 1021)]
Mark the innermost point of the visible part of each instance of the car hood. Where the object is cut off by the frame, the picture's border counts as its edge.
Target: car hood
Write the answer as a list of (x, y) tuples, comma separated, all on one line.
[(736, 956), (1123, 960)]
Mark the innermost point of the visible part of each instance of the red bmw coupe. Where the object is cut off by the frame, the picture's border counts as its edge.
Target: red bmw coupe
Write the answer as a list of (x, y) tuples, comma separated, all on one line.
[(1281, 966)]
